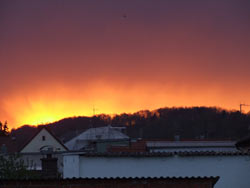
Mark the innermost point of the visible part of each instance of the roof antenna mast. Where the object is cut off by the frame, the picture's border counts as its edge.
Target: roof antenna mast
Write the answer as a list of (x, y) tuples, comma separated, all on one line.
[(94, 110)]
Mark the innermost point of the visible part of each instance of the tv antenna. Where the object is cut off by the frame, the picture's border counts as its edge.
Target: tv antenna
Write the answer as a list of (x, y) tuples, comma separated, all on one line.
[(241, 105), (94, 110)]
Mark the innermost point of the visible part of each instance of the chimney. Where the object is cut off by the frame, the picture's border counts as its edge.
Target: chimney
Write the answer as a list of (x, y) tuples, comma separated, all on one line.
[(141, 133), (49, 167), (202, 137), (177, 137)]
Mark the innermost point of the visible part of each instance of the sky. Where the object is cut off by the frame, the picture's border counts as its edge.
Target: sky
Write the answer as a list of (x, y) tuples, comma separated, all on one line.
[(63, 58)]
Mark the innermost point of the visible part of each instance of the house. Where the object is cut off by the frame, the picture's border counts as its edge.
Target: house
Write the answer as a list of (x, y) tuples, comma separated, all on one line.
[(37, 147), (232, 167), (43, 140), (35, 150), (98, 139)]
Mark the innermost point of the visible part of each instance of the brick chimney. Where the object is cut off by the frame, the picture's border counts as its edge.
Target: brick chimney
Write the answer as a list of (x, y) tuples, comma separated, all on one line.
[(49, 167)]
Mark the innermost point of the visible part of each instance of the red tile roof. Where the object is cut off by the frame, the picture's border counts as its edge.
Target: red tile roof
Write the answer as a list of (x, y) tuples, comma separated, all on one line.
[(139, 146)]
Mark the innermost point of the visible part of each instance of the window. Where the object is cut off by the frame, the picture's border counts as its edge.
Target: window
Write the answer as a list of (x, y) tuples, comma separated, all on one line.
[(43, 138)]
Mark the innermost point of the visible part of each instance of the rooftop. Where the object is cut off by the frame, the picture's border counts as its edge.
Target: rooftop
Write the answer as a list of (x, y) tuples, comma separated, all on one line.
[(198, 143), (159, 154)]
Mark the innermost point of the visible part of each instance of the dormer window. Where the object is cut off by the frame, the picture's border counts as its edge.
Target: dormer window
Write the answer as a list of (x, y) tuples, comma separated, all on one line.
[(43, 138)]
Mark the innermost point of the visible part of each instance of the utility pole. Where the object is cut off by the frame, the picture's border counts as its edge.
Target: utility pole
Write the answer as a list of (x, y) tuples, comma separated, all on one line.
[(241, 105)]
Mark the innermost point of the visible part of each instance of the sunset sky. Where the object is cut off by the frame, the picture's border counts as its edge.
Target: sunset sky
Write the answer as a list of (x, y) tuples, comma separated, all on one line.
[(62, 58)]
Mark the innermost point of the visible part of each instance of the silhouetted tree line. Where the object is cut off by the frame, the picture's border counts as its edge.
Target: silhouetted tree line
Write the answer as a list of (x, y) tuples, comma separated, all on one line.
[(163, 123), (4, 130)]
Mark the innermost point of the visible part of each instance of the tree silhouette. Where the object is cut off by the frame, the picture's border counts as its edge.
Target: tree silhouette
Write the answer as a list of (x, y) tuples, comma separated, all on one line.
[(4, 130), (13, 167), (1, 126)]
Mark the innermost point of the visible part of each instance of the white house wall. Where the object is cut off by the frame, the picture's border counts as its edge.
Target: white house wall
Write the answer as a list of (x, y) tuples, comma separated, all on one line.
[(234, 171), (33, 160), (71, 166)]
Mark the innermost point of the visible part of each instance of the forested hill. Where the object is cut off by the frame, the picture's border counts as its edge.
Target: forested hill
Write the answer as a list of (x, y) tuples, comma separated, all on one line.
[(164, 123)]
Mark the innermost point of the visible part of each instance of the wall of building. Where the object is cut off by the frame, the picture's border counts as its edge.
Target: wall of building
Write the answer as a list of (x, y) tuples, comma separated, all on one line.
[(234, 171), (72, 168), (33, 160)]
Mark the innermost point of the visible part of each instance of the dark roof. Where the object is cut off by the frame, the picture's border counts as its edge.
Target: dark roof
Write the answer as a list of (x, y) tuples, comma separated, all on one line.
[(38, 131), (9, 144), (163, 154), (121, 178), (112, 182)]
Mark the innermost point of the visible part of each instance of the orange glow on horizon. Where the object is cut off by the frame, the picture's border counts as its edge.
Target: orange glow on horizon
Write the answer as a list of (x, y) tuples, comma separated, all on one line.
[(50, 104)]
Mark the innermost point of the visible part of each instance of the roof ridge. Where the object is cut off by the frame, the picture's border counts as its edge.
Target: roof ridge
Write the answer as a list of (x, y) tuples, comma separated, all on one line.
[(164, 154)]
